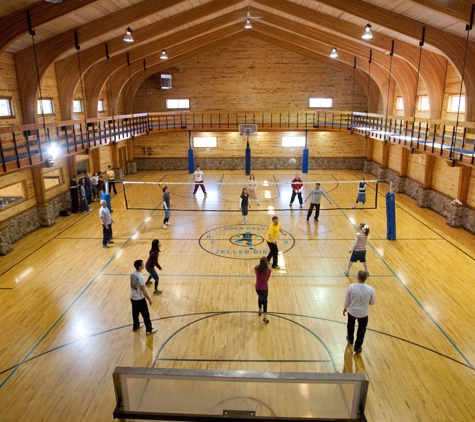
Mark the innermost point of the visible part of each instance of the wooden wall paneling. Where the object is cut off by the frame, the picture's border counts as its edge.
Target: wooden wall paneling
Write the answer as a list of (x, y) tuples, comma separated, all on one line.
[(471, 191), (377, 151), (26, 178), (39, 184), (113, 146), (347, 50), (105, 158), (452, 87), (429, 171), (61, 166), (96, 159), (404, 159), (49, 50), (130, 149), (68, 67), (266, 144), (416, 167), (450, 45), (370, 148), (465, 177), (15, 24), (216, 78), (71, 166), (372, 89), (9, 88), (432, 72), (182, 53), (445, 178), (385, 154)]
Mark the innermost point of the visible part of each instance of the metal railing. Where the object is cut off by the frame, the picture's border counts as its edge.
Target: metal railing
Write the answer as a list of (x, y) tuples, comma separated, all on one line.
[(28, 145), (451, 140)]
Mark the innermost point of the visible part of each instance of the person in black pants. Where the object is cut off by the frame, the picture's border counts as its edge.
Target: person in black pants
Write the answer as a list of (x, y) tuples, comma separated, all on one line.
[(111, 179), (138, 293), (73, 191), (272, 238)]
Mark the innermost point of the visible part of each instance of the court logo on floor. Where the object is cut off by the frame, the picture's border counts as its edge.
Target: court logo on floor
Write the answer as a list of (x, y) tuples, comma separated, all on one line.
[(245, 241)]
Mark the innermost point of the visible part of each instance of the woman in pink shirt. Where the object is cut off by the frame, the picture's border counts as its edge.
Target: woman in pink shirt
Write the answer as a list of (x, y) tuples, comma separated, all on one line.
[(262, 289)]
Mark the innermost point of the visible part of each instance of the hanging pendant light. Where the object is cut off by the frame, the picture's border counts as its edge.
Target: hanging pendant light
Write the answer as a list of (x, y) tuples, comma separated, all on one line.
[(128, 35), (367, 35), (163, 55), (248, 24), (334, 53)]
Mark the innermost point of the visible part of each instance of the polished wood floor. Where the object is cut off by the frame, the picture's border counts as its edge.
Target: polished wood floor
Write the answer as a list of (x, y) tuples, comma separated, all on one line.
[(66, 320)]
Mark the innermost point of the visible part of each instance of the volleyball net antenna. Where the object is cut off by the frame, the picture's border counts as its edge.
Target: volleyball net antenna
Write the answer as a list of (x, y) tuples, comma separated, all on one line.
[(224, 196)]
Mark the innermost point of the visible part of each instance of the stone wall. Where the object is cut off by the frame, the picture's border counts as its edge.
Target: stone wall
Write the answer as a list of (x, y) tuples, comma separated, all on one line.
[(23, 224), (457, 216), (257, 163)]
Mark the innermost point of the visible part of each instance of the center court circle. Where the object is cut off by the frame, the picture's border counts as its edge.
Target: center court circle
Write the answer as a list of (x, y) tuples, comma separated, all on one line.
[(242, 241)]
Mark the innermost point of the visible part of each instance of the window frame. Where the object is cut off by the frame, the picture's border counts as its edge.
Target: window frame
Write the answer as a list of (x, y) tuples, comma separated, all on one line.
[(461, 99), (178, 103), (420, 100), (81, 108), (203, 139), (300, 144), (10, 107), (320, 99), (399, 104), (99, 110), (40, 108)]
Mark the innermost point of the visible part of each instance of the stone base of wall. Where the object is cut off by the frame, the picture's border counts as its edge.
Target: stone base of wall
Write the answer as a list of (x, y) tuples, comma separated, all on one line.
[(427, 198), (257, 163), (23, 224)]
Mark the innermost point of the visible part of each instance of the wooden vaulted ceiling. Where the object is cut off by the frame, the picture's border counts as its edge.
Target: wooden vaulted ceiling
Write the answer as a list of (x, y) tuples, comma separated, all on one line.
[(186, 28)]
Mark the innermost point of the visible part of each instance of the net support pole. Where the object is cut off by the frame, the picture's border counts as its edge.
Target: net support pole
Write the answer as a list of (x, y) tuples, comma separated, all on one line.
[(305, 160), (191, 155), (247, 160), (391, 216), (106, 196)]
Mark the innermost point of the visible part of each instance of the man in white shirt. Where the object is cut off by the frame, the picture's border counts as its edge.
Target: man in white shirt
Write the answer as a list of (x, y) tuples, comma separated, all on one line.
[(106, 221), (138, 293), (199, 182), (357, 300)]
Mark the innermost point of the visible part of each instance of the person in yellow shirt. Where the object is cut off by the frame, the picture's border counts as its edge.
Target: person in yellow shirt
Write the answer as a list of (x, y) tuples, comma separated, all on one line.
[(111, 179), (272, 238)]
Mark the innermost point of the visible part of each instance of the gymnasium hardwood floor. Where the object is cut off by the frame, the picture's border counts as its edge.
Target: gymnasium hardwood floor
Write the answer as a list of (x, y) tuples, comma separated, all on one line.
[(66, 323)]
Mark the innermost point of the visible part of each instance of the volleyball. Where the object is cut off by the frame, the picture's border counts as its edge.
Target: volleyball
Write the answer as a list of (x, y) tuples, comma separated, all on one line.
[(292, 161)]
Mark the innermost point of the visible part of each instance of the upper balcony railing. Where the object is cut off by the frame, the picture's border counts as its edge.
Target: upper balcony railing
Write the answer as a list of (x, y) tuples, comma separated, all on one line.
[(448, 139), (29, 145)]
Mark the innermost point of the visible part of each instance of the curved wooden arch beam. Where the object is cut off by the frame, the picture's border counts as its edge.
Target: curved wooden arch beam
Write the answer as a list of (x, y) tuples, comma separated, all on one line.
[(452, 46), (402, 72), (67, 72), (345, 62), (181, 53), (432, 73), (15, 24), (48, 51)]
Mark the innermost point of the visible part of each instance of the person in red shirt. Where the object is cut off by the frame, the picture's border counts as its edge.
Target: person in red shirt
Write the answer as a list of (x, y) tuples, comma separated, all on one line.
[(262, 288), (297, 185)]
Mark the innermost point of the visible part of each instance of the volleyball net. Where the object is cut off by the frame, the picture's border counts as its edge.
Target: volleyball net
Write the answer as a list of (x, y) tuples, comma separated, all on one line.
[(224, 196)]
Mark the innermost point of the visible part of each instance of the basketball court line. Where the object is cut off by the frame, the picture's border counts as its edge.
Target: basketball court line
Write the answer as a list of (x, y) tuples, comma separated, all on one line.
[(217, 313), (131, 237)]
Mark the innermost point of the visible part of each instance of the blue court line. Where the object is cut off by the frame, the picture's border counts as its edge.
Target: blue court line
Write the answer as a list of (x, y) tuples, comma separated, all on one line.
[(73, 303), (413, 296)]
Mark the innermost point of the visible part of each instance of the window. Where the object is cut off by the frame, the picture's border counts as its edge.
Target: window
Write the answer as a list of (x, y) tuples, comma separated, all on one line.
[(423, 103), (456, 104), (320, 102), (399, 103), (77, 106), (45, 106), (178, 103), (205, 142), (11, 194), (101, 106), (6, 107), (52, 178), (293, 141)]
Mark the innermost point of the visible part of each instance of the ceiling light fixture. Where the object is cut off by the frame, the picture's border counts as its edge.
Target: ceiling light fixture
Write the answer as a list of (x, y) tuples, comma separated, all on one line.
[(128, 35), (248, 24), (334, 53), (164, 55), (367, 35)]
